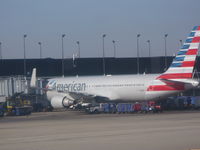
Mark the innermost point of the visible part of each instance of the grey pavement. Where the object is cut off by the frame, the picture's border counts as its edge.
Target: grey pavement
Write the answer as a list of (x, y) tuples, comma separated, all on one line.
[(77, 131)]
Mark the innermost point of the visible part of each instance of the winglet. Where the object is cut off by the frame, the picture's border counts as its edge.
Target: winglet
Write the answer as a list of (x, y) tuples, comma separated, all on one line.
[(33, 78)]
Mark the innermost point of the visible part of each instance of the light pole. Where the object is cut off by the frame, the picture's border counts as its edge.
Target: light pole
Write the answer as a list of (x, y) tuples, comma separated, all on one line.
[(165, 50), (104, 69), (73, 60), (79, 49), (149, 44), (138, 54), (24, 37), (40, 44), (114, 46), (63, 35), (181, 42), (0, 51)]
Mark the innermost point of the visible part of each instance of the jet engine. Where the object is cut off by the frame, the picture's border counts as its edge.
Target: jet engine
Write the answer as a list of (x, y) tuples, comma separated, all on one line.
[(61, 102)]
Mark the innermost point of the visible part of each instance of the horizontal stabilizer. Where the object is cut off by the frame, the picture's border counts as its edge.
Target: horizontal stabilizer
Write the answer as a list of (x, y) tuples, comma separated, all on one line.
[(191, 82)]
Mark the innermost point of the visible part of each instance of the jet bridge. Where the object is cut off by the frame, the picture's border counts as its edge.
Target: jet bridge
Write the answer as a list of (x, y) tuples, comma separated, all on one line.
[(11, 85)]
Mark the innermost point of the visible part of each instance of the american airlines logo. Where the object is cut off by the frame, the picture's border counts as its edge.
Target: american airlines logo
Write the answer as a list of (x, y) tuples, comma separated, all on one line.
[(71, 87), (51, 85)]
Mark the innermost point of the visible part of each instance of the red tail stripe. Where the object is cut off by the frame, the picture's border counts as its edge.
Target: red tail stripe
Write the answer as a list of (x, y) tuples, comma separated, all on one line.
[(188, 64), (196, 39), (176, 76), (198, 28), (192, 52), (165, 88)]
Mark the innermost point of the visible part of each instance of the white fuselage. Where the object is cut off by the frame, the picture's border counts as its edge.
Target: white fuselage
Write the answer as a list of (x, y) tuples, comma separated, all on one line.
[(119, 87)]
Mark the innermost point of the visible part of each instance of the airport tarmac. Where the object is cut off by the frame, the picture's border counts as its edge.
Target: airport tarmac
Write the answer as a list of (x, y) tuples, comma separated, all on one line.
[(78, 131)]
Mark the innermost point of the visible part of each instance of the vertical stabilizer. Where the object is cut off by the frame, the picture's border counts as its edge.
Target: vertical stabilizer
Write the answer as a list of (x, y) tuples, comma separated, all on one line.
[(180, 72), (183, 64), (33, 78)]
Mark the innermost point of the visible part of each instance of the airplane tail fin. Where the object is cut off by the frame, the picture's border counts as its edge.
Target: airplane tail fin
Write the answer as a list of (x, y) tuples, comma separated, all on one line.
[(33, 78), (183, 64)]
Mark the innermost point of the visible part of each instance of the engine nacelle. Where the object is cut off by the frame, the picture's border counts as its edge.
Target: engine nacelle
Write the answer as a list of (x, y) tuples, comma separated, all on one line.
[(61, 102)]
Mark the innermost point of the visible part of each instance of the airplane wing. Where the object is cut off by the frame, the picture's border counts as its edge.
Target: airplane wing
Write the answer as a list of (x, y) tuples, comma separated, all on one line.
[(77, 96)]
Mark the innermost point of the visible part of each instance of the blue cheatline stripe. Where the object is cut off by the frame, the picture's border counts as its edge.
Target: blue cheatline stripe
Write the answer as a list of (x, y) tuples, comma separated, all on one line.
[(185, 46), (188, 40), (195, 28), (176, 65), (182, 52), (192, 34), (179, 58)]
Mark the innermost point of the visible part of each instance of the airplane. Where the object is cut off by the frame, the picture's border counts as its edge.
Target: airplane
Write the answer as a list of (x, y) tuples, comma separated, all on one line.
[(65, 91)]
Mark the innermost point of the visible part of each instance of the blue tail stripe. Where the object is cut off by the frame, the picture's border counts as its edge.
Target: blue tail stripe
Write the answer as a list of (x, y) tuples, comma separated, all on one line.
[(195, 28), (176, 65), (192, 34), (182, 52), (185, 46), (179, 58), (188, 40)]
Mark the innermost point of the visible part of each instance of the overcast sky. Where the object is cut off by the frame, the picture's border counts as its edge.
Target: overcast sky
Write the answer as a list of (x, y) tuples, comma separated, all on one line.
[(87, 20)]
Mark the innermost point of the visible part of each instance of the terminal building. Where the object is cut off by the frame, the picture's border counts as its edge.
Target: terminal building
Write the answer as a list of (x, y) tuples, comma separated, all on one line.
[(12, 79)]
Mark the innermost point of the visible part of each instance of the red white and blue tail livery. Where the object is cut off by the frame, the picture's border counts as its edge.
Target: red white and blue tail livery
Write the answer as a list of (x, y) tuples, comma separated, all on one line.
[(183, 64), (179, 75)]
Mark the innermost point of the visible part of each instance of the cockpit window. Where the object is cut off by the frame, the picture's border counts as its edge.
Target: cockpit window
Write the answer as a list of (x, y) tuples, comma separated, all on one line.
[(54, 86), (51, 85), (50, 82)]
